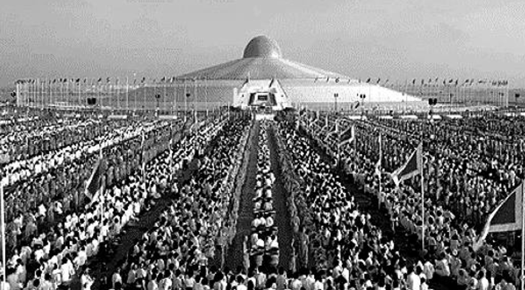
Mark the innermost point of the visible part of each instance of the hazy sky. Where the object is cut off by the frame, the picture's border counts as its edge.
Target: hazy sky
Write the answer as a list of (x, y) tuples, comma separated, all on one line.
[(395, 39)]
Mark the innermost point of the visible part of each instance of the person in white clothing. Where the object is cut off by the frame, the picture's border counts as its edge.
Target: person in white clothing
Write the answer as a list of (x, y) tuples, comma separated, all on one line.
[(413, 280)]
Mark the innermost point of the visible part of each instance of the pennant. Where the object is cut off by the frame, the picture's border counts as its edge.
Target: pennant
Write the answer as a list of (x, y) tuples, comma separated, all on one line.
[(335, 131), (347, 136), (506, 217), (378, 164), (326, 124), (94, 182), (412, 167)]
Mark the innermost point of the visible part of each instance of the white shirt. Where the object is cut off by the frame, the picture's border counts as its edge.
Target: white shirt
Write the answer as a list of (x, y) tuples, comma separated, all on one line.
[(413, 281), (66, 270)]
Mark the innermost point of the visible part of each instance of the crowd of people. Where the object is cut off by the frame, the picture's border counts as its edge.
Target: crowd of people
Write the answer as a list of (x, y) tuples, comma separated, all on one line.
[(47, 196), (342, 242), (177, 252), (465, 178), (55, 230), (264, 247), (53, 254)]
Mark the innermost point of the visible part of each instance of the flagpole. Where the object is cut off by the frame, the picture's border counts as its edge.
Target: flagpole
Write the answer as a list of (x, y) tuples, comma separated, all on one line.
[(185, 100), (522, 240), (206, 94), (101, 187), (79, 94), (379, 196), (118, 95), (127, 94), (355, 145), (2, 208), (134, 98), (422, 199)]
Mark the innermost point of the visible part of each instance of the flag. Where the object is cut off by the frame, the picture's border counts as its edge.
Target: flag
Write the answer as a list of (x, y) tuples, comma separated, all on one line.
[(411, 168), (94, 182), (378, 164), (506, 217), (326, 124), (347, 136), (143, 165), (335, 131)]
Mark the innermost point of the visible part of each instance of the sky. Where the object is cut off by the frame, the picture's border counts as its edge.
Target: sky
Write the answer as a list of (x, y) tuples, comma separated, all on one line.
[(388, 39)]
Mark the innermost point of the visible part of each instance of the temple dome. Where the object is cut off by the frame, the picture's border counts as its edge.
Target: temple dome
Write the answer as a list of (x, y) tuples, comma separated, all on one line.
[(262, 46)]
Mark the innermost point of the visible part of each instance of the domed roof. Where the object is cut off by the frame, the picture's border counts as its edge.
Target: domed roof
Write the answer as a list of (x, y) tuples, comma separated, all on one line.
[(262, 46)]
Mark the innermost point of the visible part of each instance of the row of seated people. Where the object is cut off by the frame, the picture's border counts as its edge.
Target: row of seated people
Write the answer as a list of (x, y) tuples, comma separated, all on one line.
[(264, 245), (448, 232), (35, 206), (342, 238), (184, 238), (94, 230)]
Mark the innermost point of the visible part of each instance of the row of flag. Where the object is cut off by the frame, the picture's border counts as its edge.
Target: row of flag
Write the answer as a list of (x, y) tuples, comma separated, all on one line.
[(108, 80), (507, 216), (422, 82)]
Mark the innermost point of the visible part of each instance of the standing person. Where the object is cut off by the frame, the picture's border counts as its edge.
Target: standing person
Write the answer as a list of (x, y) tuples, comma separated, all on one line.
[(66, 271), (86, 280), (116, 278), (413, 280), (245, 254)]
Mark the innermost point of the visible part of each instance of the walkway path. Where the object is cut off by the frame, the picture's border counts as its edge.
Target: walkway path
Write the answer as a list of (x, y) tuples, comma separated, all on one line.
[(282, 218), (234, 255)]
